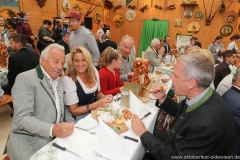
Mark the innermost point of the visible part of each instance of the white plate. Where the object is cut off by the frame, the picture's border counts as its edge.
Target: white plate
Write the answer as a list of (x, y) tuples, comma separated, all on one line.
[(87, 123)]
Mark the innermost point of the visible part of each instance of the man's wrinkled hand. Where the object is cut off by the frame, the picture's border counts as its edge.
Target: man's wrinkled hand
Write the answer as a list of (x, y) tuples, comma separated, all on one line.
[(62, 129), (137, 126)]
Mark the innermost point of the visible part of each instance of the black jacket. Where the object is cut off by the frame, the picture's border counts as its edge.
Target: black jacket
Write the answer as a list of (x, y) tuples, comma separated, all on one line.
[(221, 71), (207, 128), (65, 45), (108, 43), (19, 62)]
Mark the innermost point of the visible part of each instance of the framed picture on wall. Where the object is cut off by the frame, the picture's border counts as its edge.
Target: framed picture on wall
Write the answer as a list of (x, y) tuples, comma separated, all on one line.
[(178, 22), (98, 16)]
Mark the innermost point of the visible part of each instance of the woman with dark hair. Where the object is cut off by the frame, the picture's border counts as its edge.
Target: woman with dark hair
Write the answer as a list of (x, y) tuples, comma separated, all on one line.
[(216, 46), (232, 45), (25, 29), (45, 35), (198, 43)]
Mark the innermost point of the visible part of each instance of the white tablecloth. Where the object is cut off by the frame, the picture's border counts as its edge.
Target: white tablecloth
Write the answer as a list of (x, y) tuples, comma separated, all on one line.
[(3, 76), (165, 70), (136, 150)]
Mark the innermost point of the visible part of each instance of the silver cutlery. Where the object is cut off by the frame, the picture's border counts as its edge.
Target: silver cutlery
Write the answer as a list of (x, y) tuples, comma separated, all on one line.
[(92, 133), (99, 155)]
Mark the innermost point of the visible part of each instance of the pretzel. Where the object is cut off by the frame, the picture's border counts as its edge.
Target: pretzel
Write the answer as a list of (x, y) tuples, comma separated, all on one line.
[(127, 114), (157, 90)]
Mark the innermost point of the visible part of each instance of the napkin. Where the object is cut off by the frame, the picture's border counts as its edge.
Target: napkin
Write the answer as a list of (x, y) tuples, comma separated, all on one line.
[(110, 141), (136, 106), (80, 137)]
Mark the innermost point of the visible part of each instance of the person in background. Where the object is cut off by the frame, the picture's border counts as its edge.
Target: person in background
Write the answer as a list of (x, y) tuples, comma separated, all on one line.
[(25, 28), (222, 70), (167, 45), (4, 32), (231, 98), (81, 36), (219, 56), (45, 35), (153, 54), (81, 84), (109, 62), (126, 47), (106, 42), (232, 45), (192, 40), (226, 83), (216, 46), (198, 43), (97, 37), (40, 113), (64, 41), (22, 60), (57, 29), (202, 124)]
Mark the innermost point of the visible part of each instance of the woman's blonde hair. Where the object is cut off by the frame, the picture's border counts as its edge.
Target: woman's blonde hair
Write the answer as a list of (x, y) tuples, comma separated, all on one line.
[(198, 50), (71, 72), (107, 56)]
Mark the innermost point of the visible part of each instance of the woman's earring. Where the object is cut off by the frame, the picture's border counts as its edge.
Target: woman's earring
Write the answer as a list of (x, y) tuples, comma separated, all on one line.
[(73, 69)]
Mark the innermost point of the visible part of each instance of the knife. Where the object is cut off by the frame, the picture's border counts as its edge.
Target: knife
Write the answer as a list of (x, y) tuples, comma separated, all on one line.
[(65, 149), (130, 138), (146, 115)]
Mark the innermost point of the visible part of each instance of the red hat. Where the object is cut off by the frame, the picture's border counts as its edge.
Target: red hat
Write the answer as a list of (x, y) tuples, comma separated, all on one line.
[(74, 14)]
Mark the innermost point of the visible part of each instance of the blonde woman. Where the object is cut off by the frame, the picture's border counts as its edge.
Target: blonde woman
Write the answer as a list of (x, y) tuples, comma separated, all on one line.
[(81, 84), (110, 61)]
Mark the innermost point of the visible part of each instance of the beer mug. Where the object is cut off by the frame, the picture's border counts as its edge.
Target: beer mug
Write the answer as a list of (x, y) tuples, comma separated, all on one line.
[(158, 71), (125, 99), (168, 61)]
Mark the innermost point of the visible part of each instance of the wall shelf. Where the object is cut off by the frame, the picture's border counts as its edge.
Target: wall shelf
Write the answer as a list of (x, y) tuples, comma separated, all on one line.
[(189, 4)]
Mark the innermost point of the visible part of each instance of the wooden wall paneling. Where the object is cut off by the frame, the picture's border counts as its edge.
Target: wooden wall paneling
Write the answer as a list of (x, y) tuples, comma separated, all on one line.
[(206, 34)]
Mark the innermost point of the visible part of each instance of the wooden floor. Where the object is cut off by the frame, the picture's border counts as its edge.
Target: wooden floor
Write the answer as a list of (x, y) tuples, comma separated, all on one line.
[(5, 123)]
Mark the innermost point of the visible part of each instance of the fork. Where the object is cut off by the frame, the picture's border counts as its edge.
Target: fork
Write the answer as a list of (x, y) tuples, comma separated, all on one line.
[(99, 155), (92, 133)]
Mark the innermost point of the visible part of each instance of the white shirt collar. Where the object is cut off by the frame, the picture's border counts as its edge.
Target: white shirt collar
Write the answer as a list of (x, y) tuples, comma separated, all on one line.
[(51, 80)]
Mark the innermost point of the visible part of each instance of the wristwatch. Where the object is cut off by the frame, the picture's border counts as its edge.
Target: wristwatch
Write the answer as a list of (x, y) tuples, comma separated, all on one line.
[(88, 109)]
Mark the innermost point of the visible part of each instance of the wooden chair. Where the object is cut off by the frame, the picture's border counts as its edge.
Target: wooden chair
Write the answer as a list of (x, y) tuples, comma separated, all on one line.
[(7, 101), (6, 158)]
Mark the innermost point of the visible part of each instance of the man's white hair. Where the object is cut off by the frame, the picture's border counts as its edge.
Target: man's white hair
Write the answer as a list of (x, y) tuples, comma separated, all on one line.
[(155, 42), (45, 53)]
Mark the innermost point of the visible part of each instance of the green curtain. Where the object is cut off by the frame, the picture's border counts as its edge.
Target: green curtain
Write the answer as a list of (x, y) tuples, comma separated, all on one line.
[(152, 29)]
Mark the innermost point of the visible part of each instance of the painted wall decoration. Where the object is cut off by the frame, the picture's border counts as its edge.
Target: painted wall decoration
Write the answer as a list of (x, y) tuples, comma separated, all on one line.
[(188, 14), (193, 27), (230, 18), (130, 15), (98, 16), (199, 15), (65, 5), (178, 22), (238, 28), (77, 8), (117, 21), (8, 10), (226, 30)]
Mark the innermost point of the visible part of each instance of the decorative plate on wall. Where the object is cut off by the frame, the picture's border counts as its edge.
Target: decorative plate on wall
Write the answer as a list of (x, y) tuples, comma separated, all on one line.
[(98, 16), (188, 14), (77, 8), (65, 5), (117, 21), (62, 15), (238, 28), (193, 27), (230, 18), (199, 15), (226, 30), (130, 15)]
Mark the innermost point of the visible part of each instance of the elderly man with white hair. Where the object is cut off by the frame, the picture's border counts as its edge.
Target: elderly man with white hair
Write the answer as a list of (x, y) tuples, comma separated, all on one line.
[(153, 54)]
